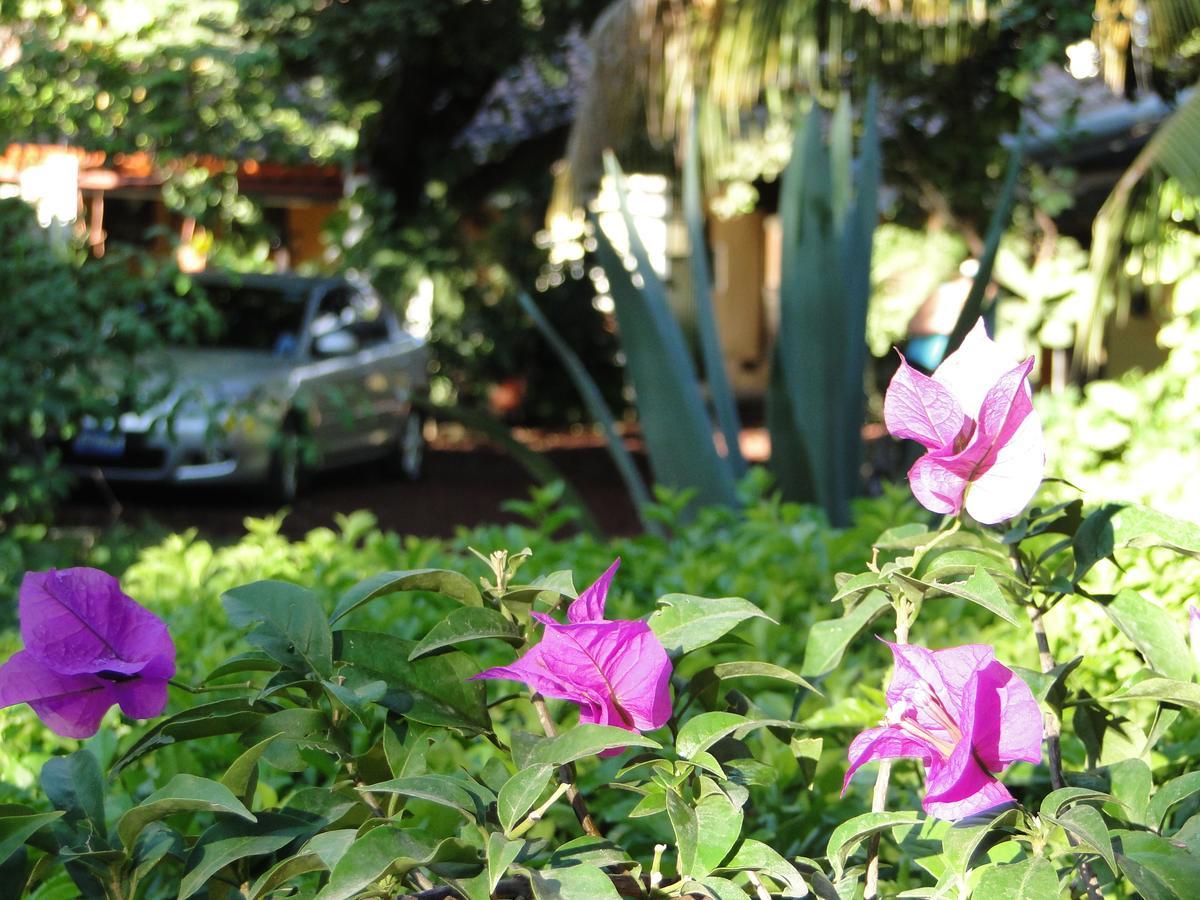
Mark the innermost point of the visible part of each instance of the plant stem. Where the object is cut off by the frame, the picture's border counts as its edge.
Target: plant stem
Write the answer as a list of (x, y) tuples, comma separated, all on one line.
[(241, 685), (879, 795), (536, 816), (1091, 884), (566, 772)]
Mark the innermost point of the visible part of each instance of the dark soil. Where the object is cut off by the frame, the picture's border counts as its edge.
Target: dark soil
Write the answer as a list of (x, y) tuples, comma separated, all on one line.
[(464, 483)]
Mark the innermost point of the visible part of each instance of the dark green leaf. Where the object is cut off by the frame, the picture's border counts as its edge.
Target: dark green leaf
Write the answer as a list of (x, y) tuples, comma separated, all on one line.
[(593, 851), (320, 854), (183, 793), (382, 850), (579, 882), (520, 792), (686, 825), (1086, 824), (982, 590), (242, 776), (758, 857), (206, 720), (243, 662), (1168, 796), (15, 830), (752, 669), (586, 740), (226, 842), (828, 640), (1029, 879), (848, 835), (467, 623), (436, 581), (440, 789), (291, 627), (1158, 868), (75, 785)]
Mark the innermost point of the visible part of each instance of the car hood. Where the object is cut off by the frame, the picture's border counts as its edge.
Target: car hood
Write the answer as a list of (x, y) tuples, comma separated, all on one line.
[(226, 372)]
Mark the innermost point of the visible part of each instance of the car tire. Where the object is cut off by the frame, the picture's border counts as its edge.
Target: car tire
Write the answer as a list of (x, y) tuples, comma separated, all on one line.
[(288, 476), (407, 458)]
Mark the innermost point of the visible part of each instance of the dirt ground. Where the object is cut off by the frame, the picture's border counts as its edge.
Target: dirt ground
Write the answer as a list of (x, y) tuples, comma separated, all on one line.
[(464, 483)]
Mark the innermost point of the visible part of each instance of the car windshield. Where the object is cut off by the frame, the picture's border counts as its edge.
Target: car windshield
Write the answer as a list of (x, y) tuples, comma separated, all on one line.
[(251, 318)]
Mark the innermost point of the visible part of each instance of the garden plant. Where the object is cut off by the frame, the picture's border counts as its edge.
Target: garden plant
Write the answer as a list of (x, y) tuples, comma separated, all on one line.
[(988, 705)]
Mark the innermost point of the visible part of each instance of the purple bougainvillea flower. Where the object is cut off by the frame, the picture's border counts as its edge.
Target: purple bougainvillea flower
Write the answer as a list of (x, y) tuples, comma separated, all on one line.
[(617, 672), (87, 646), (965, 716), (975, 418)]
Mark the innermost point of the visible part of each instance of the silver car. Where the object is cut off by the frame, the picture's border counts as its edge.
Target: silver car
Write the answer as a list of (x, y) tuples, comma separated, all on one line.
[(300, 374)]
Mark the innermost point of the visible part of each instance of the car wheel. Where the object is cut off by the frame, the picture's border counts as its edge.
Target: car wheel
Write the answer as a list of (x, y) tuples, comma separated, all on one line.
[(408, 452), (288, 476)]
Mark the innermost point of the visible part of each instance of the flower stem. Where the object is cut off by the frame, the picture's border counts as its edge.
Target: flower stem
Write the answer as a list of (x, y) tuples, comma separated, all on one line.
[(204, 689), (566, 772), (879, 795)]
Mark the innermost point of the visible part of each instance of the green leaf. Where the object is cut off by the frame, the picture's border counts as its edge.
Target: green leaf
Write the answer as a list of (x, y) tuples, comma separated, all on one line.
[(755, 856), (501, 853), (1158, 868), (580, 882), (700, 732), (242, 776), (75, 785), (1058, 800), (520, 792), (719, 825), (686, 825), (227, 842), (436, 581), (183, 793), (962, 839), (152, 846), (982, 590), (1168, 796), (15, 830), (684, 623), (675, 423), (291, 627), (856, 585), (434, 690), (754, 669), (467, 623), (593, 851), (243, 662), (440, 789), (1132, 783), (384, 850), (828, 640), (205, 720), (1086, 824), (1162, 690), (586, 740), (715, 888), (1030, 879), (1155, 633), (320, 854), (847, 836)]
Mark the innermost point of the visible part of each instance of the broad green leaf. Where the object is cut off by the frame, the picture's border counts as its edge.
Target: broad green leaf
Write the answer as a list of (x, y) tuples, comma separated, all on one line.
[(290, 626), (1168, 795), (467, 623), (684, 623), (962, 839), (686, 825), (828, 640), (242, 776), (75, 785), (150, 848), (15, 830), (593, 851), (1087, 824), (1029, 879), (501, 853), (1158, 868), (586, 740), (436, 581), (982, 590), (520, 792), (753, 669), (1132, 783), (385, 850), (1118, 525), (579, 882), (320, 854), (1155, 633), (701, 732), (434, 690), (719, 825), (183, 793), (715, 888), (856, 585), (758, 857), (226, 842), (847, 836), (1058, 800), (205, 720), (1161, 690), (440, 789), (243, 662)]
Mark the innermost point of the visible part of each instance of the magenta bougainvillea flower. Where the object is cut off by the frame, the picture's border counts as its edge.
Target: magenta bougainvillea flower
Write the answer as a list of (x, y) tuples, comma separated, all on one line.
[(87, 646), (965, 716), (975, 418), (616, 671)]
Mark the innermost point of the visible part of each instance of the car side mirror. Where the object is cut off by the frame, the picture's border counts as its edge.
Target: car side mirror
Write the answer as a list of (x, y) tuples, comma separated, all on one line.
[(336, 343)]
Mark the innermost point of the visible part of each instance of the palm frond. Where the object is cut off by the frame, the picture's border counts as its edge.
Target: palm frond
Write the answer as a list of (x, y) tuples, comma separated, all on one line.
[(1161, 186), (1145, 32)]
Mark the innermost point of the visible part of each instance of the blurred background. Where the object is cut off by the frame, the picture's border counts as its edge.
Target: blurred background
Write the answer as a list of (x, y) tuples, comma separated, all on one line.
[(619, 246)]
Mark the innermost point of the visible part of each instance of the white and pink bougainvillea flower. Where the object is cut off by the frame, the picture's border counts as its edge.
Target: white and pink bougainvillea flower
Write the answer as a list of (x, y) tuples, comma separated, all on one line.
[(975, 418), (617, 671), (965, 716)]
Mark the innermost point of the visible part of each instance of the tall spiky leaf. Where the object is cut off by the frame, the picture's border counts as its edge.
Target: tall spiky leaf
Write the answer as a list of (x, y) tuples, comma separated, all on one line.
[(710, 342)]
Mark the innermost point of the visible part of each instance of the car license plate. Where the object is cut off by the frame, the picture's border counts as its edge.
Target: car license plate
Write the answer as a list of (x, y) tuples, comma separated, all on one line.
[(103, 444)]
